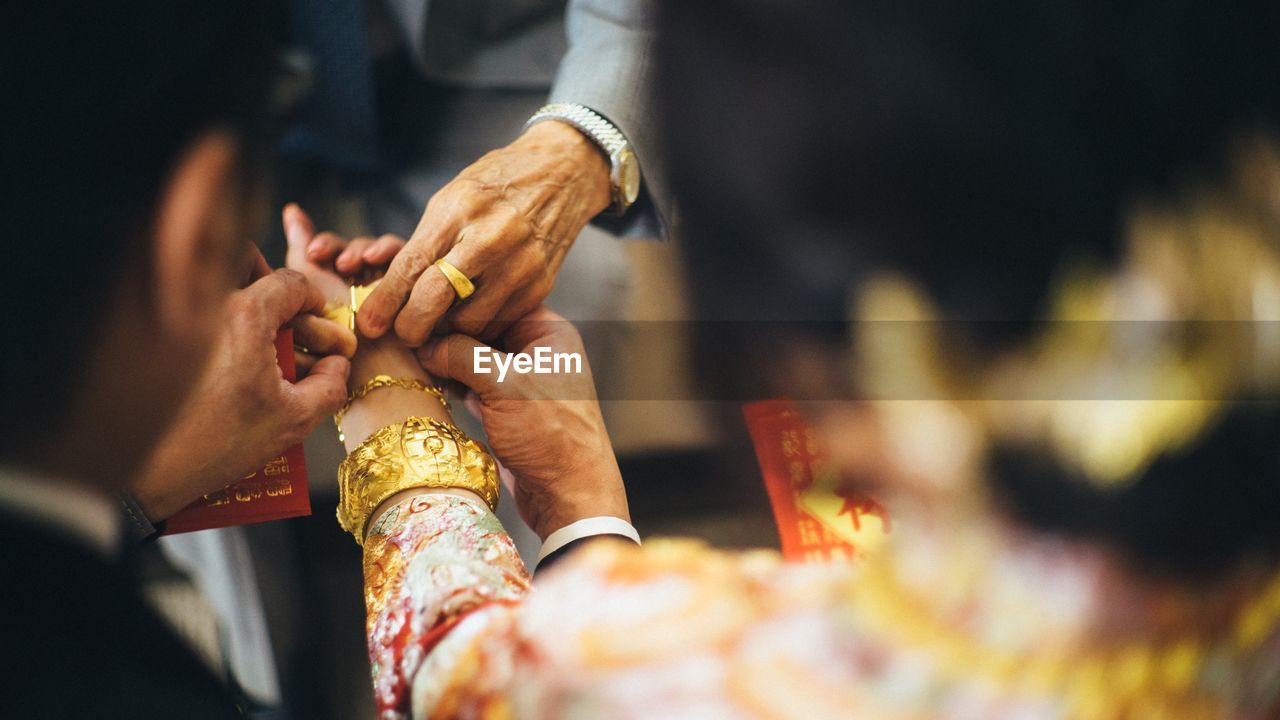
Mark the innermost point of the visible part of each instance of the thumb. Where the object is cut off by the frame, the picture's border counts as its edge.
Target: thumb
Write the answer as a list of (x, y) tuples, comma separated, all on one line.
[(454, 357), (322, 391)]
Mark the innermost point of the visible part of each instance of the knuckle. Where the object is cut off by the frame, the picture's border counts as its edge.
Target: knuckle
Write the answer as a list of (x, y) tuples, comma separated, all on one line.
[(411, 261), (398, 278), (513, 224), (244, 309), (517, 308), (432, 293), (291, 278), (468, 325), (455, 346), (324, 402), (527, 263), (539, 289), (337, 395), (330, 239), (258, 401), (443, 197)]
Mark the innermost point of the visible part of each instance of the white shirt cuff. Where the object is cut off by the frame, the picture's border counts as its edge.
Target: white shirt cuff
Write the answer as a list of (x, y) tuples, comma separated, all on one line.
[(585, 528)]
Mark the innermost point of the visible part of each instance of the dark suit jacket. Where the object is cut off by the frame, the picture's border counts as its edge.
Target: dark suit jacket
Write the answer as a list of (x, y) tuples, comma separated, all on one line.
[(77, 640)]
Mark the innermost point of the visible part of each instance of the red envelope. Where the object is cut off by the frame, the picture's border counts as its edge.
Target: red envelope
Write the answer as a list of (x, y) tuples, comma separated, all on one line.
[(275, 491), (818, 519)]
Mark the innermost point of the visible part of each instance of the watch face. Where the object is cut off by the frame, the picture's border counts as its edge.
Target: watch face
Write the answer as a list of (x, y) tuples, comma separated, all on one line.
[(628, 176)]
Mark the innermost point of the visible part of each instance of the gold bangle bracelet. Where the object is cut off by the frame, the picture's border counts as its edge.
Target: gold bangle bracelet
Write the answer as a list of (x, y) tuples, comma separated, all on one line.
[(418, 453), (378, 382)]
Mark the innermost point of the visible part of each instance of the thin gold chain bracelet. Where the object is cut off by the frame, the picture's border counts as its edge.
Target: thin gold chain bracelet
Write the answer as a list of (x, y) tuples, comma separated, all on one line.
[(377, 382)]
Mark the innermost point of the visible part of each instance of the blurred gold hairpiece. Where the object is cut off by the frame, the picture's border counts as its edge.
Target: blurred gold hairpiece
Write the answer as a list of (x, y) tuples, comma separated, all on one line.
[(1132, 364)]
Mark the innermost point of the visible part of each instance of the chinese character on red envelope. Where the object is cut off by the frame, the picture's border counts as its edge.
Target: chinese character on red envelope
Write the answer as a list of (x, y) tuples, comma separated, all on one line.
[(819, 520), (275, 491)]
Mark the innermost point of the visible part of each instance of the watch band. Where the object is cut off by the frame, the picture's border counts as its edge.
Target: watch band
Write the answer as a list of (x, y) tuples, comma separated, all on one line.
[(600, 131), (587, 121), (139, 528)]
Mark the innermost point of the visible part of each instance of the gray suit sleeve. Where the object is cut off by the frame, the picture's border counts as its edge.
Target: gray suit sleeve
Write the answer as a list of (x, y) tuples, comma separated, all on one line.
[(608, 68)]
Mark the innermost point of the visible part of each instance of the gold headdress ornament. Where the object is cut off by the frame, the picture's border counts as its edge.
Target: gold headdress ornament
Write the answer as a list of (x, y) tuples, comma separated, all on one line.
[(1131, 364)]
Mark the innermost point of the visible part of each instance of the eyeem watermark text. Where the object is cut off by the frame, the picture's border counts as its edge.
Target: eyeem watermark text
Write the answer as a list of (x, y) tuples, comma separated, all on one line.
[(542, 361)]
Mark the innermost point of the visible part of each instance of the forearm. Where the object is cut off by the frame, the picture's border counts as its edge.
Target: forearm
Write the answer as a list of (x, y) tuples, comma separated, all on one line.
[(450, 530)]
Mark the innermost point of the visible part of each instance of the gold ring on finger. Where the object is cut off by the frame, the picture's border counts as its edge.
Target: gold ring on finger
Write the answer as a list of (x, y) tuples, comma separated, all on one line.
[(462, 285)]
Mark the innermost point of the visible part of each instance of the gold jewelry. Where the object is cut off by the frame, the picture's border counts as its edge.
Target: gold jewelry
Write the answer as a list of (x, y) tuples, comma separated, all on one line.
[(462, 285), (345, 315), (418, 453), (378, 382), (360, 293), (1132, 365), (342, 315)]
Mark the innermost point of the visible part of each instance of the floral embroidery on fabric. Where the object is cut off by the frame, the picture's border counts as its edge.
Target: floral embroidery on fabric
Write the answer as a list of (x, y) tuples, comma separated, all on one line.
[(429, 561)]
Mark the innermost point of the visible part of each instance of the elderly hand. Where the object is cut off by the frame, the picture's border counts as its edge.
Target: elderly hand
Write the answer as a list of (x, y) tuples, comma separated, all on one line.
[(545, 429), (506, 222), (242, 411)]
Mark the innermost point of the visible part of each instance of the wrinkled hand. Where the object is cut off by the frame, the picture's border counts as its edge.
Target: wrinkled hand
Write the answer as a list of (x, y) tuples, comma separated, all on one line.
[(546, 430), (242, 411), (506, 222)]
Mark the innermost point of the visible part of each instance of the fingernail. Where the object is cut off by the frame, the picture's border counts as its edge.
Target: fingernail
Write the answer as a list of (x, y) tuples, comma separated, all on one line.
[(314, 248)]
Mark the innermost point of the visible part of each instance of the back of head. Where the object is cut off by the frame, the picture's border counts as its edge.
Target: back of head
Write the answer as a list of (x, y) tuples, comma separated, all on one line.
[(978, 149), (812, 139), (100, 101)]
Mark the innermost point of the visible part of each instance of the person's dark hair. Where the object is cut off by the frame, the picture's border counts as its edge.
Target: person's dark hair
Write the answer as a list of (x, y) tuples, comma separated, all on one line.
[(100, 99), (975, 147)]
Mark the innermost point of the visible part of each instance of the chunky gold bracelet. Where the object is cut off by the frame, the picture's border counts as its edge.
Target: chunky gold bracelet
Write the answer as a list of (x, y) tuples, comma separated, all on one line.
[(418, 453), (386, 381)]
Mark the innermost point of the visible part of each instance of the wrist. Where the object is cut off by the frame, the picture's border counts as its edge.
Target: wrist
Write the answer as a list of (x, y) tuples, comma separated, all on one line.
[(383, 356), (159, 498), (154, 506), (182, 470), (386, 405), (564, 142), (598, 497)]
